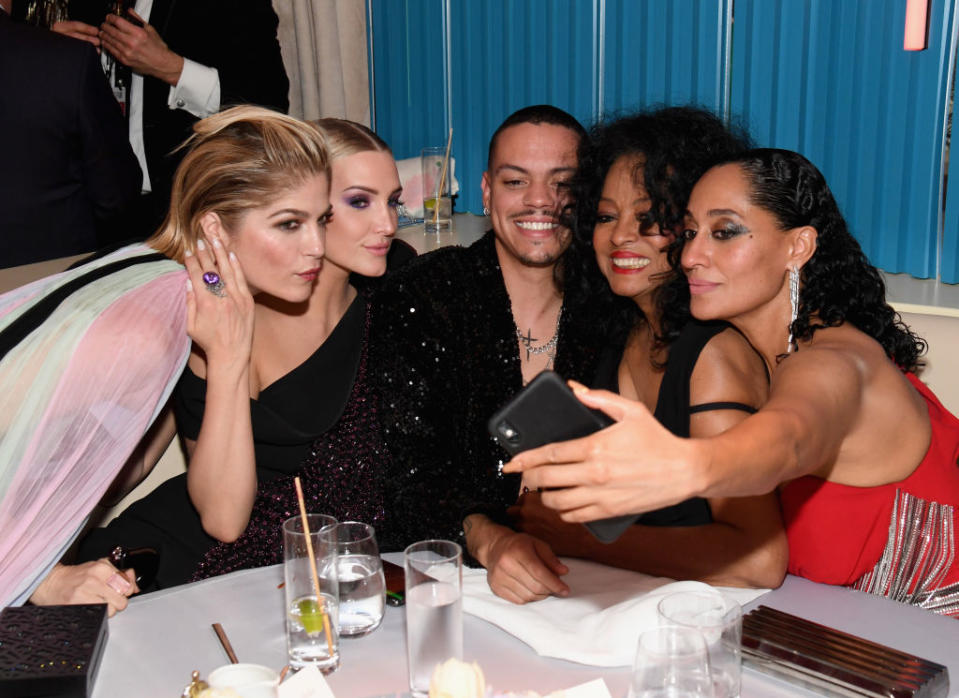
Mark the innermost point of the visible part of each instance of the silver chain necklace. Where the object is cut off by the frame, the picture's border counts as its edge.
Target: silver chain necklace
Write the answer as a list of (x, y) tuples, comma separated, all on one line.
[(548, 348)]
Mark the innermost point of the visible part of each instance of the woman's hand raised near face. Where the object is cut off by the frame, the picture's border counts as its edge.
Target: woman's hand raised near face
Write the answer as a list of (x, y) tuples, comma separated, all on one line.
[(220, 318), (633, 466)]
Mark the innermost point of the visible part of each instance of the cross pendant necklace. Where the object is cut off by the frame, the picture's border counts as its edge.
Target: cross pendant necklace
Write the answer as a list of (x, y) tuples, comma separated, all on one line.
[(549, 348), (527, 340)]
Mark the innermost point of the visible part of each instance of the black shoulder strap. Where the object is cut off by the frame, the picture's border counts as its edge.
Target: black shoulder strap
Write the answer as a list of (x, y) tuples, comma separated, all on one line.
[(711, 406)]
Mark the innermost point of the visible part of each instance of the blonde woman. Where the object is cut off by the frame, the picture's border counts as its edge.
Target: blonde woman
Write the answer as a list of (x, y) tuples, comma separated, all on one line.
[(306, 367), (248, 214)]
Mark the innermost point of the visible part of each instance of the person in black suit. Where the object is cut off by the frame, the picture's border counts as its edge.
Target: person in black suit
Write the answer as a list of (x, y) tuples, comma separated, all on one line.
[(194, 57), (67, 171)]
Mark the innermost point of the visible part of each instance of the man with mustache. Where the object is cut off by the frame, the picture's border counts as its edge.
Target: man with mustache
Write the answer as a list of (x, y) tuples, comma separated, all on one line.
[(465, 329)]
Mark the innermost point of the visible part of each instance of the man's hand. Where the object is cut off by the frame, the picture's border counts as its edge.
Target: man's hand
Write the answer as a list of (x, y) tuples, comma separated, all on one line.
[(78, 30), (531, 516), (91, 582), (520, 568), (140, 48)]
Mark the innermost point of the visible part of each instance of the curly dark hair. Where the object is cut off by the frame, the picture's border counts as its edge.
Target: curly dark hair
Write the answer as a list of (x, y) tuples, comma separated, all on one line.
[(674, 147), (837, 284)]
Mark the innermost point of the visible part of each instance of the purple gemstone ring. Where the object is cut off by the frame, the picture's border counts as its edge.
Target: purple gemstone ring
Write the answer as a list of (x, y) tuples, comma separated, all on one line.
[(214, 284)]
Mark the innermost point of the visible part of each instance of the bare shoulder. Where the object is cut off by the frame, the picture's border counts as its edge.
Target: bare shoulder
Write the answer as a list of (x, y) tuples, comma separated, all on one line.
[(843, 382), (844, 354), (729, 370)]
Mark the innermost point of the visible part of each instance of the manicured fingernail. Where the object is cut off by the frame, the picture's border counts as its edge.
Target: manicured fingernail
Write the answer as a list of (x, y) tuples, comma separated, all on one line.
[(578, 388), (200, 245), (189, 285), (118, 583), (188, 253), (233, 255), (216, 242)]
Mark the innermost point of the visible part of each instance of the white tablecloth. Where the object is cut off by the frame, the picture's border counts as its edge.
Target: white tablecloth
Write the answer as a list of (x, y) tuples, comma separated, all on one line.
[(162, 637)]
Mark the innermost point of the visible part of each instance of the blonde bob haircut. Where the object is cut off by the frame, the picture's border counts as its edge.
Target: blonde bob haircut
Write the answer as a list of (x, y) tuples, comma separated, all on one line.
[(239, 159), (344, 138)]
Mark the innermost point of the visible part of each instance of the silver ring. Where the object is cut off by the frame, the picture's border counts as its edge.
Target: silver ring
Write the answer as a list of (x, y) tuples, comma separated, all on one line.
[(214, 284)]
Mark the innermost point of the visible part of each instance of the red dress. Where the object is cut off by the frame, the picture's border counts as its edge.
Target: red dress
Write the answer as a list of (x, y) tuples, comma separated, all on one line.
[(895, 540)]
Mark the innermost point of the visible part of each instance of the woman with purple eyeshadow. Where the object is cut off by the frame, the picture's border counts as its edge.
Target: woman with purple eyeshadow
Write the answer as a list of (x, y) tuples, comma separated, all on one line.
[(325, 394)]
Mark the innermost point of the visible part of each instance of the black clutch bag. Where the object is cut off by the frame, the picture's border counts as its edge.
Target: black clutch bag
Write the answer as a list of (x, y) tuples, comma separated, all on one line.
[(51, 650)]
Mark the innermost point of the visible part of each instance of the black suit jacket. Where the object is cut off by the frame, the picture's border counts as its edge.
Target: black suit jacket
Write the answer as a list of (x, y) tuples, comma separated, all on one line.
[(237, 37), (66, 166)]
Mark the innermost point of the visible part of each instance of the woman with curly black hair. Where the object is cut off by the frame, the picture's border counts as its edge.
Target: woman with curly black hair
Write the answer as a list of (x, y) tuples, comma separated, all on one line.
[(631, 188), (866, 451)]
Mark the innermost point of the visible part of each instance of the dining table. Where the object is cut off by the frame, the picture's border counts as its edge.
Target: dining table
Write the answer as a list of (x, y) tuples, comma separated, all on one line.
[(155, 644)]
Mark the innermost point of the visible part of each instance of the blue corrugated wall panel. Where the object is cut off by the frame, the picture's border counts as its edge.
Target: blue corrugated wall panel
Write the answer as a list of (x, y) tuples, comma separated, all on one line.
[(510, 54), (950, 238), (949, 256), (826, 77), (409, 73), (504, 54), (664, 52), (831, 80)]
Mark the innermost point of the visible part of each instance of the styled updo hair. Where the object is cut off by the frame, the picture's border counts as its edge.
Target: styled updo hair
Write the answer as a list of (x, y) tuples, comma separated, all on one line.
[(239, 159), (672, 147), (837, 284), (345, 137)]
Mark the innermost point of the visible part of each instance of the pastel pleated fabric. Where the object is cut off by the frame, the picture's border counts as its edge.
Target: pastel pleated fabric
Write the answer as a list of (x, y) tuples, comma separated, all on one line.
[(77, 395)]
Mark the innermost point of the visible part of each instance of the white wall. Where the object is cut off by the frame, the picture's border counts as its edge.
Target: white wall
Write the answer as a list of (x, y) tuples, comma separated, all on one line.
[(941, 373)]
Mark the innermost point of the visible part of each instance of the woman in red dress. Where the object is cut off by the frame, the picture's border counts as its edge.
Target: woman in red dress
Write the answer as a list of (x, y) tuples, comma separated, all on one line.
[(865, 453)]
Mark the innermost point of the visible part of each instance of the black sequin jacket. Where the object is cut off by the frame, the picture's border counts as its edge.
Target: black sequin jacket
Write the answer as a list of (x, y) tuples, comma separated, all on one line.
[(444, 358)]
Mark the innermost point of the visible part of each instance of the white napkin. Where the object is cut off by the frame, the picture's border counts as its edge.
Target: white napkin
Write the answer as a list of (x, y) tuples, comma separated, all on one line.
[(411, 178), (306, 683), (596, 688), (597, 624)]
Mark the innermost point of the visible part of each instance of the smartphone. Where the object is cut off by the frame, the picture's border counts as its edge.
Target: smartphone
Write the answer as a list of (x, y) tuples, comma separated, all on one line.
[(395, 583), (546, 411)]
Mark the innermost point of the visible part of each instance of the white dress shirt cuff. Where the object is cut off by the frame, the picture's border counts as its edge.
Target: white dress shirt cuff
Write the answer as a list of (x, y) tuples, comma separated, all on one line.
[(197, 91)]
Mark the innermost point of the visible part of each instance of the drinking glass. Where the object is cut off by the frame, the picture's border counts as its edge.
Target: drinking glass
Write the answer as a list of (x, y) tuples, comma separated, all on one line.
[(434, 608), (720, 621), (312, 635), (437, 198), (360, 576), (671, 662)]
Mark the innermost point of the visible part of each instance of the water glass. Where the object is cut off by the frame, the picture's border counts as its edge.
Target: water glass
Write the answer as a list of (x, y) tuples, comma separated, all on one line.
[(671, 662), (437, 197), (434, 608), (312, 635), (720, 621), (360, 577), (246, 680)]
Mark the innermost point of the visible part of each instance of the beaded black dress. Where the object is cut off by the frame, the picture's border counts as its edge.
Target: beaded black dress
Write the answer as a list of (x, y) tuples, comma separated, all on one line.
[(288, 417)]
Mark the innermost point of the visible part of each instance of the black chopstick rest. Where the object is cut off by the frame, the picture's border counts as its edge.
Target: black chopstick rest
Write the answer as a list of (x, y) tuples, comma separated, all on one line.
[(51, 650), (833, 662)]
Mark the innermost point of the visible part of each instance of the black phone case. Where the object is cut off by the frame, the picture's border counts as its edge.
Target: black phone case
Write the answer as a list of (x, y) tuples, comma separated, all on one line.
[(546, 411)]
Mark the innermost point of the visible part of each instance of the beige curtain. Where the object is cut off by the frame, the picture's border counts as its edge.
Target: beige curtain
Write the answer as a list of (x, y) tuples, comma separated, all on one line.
[(324, 49)]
